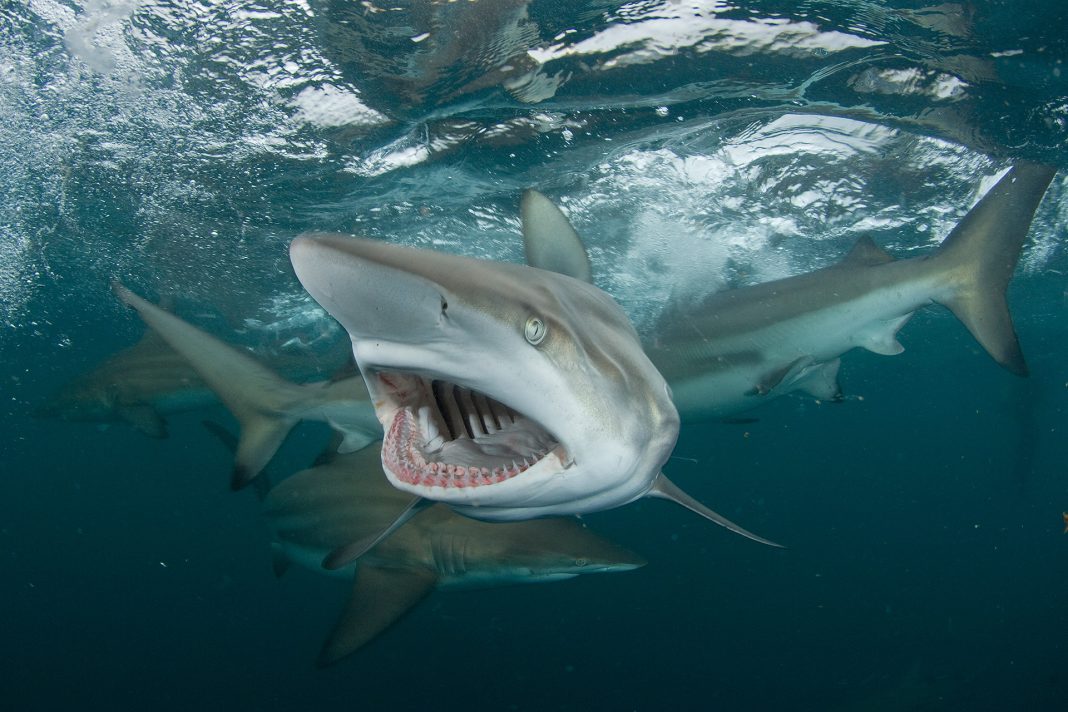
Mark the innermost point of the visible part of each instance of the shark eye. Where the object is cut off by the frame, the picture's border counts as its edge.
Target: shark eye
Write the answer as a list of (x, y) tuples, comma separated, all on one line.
[(579, 563), (535, 331)]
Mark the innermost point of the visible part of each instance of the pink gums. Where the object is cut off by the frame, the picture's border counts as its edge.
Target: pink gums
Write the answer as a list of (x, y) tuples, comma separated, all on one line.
[(403, 458)]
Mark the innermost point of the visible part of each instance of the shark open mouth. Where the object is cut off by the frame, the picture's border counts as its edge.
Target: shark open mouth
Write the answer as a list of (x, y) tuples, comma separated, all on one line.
[(445, 435)]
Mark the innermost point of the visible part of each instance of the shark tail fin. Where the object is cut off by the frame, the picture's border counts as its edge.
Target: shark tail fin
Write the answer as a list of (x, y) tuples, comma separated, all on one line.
[(663, 488), (266, 405), (261, 436), (980, 255), (262, 484)]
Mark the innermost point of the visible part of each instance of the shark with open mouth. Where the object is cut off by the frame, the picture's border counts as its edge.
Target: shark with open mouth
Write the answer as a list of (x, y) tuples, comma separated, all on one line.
[(508, 392)]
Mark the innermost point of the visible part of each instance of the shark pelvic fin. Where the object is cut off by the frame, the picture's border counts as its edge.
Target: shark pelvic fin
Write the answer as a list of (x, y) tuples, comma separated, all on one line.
[(551, 242), (345, 555), (379, 597), (822, 383), (882, 340), (663, 488), (784, 377), (980, 255)]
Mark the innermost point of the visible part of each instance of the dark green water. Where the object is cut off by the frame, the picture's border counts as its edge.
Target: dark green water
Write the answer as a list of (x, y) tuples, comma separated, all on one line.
[(925, 566)]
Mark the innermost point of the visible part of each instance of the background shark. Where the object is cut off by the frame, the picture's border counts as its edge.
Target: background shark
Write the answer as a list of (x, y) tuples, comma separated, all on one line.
[(143, 384), (138, 386), (344, 499), (266, 405), (745, 345)]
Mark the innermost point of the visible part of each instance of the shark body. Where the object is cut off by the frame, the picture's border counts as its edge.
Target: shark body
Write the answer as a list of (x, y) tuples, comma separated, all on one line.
[(506, 391), (746, 345), (139, 386), (316, 511)]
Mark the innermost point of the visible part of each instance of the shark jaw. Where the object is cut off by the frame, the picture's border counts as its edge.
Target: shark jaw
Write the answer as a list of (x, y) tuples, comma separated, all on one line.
[(441, 436)]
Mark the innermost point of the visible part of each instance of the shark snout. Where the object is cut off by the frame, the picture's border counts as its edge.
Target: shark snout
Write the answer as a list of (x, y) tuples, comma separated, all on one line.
[(362, 285)]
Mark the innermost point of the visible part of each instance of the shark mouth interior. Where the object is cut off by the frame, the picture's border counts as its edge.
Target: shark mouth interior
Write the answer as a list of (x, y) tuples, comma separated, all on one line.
[(445, 435)]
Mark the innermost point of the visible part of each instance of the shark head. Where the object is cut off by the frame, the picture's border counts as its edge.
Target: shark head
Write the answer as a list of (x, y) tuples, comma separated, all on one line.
[(535, 551), (507, 391)]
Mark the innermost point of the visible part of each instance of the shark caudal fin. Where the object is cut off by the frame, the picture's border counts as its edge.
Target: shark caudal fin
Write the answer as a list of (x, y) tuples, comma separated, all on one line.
[(262, 402), (980, 255)]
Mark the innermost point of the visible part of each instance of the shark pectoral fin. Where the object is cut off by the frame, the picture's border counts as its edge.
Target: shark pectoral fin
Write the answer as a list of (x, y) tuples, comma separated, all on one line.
[(882, 339), (279, 560), (144, 418), (345, 555), (550, 241), (261, 436), (822, 382), (663, 488), (379, 597), (979, 257)]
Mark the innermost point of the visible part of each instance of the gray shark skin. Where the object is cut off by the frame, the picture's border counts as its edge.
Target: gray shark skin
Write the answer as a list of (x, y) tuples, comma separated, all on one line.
[(138, 386), (316, 511), (744, 346), (266, 405)]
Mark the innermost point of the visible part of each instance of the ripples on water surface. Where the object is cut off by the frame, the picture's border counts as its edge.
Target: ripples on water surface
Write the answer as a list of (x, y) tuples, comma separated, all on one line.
[(695, 146)]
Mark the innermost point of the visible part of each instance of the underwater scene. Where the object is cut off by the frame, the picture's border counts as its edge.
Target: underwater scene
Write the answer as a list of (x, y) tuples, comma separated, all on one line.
[(738, 328)]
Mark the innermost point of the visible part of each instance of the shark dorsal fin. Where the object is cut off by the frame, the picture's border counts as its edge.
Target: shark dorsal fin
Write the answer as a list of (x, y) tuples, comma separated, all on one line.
[(663, 488), (379, 597), (550, 241), (866, 253), (345, 555)]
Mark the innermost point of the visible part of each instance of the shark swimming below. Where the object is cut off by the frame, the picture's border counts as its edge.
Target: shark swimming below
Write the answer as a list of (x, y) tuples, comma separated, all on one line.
[(505, 391), (744, 346), (317, 511)]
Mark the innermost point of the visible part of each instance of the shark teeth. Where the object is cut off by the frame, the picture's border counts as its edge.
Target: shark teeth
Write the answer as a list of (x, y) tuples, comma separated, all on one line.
[(445, 435), (407, 459)]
